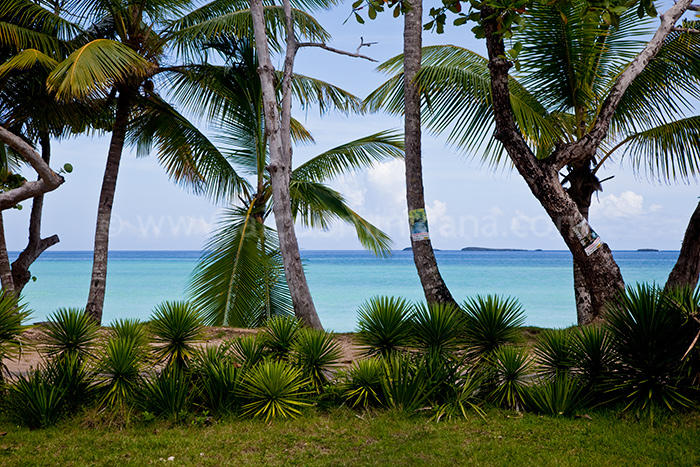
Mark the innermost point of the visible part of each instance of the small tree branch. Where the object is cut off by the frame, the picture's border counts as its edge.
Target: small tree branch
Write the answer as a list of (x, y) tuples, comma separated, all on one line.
[(334, 50), (587, 146), (48, 179), (688, 30), (694, 7)]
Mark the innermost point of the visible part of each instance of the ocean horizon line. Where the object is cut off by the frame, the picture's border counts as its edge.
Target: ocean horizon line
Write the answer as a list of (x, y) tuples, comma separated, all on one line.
[(484, 250)]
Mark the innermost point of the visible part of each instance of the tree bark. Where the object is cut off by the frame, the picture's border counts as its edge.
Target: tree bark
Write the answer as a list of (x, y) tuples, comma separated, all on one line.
[(601, 273), (278, 131), (434, 286), (96, 297), (36, 245), (582, 184), (5, 270), (687, 268)]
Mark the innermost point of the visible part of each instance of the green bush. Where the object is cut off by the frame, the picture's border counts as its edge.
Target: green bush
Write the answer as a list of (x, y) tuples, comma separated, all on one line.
[(218, 378), (511, 367), (436, 328), (405, 383), (384, 325), (248, 351), (279, 335), (176, 328), (69, 331), (650, 337), (167, 394), (120, 366), (363, 383), (491, 321), (34, 401), (554, 352), (273, 389), (560, 395), (12, 315), (316, 354), (593, 356)]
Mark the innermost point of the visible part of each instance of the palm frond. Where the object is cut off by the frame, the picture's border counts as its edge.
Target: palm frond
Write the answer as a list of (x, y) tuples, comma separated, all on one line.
[(311, 91), (353, 156), (26, 60), (316, 205), (95, 68)]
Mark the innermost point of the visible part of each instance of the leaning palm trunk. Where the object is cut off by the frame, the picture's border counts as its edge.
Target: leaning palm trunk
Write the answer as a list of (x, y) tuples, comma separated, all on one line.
[(278, 131), (687, 267), (434, 287), (96, 297)]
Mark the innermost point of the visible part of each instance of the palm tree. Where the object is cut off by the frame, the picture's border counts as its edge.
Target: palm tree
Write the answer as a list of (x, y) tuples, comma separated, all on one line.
[(240, 281), (569, 64), (122, 55)]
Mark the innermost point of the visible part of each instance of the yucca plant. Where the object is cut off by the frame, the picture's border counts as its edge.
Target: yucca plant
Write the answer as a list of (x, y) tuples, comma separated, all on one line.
[(34, 401), (650, 337), (12, 315), (76, 377), (593, 356), (687, 301), (120, 367), (511, 369), (466, 397), (384, 325), (491, 321), (218, 378), (176, 328), (248, 351), (405, 383), (130, 329), (279, 335), (363, 383), (69, 331), (554, 352), (168, 393), (316, 353), (273, 389), (436, 328), (561, 395)]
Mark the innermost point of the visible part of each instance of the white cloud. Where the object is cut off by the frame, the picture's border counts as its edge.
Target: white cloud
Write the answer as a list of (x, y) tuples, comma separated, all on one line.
[(353, 190), (628, 204), (389, 178)]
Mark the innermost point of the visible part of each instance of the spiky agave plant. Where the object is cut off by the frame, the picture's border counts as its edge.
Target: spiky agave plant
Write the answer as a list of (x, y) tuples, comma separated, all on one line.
[(562, 394), (168, 393), (33, 401), (511, 368), (248, 351), (405, 382), (363, 387), (69, 331), (491, 321), (593, 356), (273, 389), (12, 315), (650, 337), (436, 328), (176, 328), (554, 352), (317, 354), (218, 378), (279, 336), (384, 325), (120, 368)]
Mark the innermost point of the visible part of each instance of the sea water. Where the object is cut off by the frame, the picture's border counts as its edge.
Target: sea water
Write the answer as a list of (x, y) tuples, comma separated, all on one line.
[(340, 281)]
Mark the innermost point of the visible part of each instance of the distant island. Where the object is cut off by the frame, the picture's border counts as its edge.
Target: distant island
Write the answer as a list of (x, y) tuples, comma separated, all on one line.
[(479, 248), (647, 249)]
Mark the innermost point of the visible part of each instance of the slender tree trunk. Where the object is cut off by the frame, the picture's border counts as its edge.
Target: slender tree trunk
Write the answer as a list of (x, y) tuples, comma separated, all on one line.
[(582, 184), (434, 286), (98, 280), (36, 245), (687, 267), (278, 131), (5, 271), (601, 273)]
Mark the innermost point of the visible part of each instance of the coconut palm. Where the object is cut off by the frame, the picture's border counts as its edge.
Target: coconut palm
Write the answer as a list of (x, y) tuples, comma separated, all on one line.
[(569, 61), (120, 54), (240, 280)]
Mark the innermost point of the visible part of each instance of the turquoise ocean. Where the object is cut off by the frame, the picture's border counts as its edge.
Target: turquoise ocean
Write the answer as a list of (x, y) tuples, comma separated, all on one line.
[(339, 280)]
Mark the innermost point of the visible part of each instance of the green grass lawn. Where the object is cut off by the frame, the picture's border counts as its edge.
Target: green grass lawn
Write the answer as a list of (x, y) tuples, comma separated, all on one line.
[(342, 437)]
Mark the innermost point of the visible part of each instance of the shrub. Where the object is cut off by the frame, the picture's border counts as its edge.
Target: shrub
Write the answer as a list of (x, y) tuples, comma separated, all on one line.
[(465, 397), (70, 331), (176, 327), (167, 394), (218, 379), (34, 401), (650, 337), (121, 366), (248, 351), (593, 356), (363, 383), (490, 322), (12, 315), (436, 328), (279, 336), (560, 395), (384, 325), (510, 369), (316, 353), (554, 352), (273, 389), (405, 383)]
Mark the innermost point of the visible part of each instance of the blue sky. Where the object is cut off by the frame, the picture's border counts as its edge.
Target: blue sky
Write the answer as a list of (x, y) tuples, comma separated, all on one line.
[(468, 204)]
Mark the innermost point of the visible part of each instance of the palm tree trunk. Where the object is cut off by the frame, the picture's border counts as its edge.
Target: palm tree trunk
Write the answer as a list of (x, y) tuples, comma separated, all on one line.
[(98, 280), (279, 140), (5, 271), (687, 268), (434, 286), (36, 245)]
